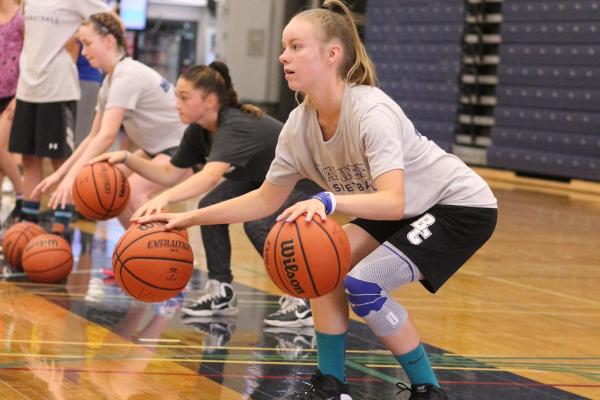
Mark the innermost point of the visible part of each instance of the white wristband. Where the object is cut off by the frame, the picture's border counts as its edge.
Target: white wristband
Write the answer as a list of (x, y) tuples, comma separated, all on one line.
[(126, 156)]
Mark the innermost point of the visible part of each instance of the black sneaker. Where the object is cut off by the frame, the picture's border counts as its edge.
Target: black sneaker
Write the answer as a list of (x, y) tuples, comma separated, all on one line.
[(322, 387), (293, 343), (423, 392), (217, 332), (219, 299), (293, 312)]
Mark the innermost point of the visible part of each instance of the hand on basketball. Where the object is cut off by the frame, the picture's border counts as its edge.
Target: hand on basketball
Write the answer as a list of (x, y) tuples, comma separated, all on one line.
[(113, 157), (153, 206), (309, 207), (173, 220)]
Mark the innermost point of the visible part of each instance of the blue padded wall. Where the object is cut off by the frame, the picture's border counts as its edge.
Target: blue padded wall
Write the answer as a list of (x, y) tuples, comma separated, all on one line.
[(415, 45), (547, 117)]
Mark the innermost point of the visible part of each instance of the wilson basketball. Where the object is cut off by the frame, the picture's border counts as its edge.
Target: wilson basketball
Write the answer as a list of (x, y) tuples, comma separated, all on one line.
[(101, 191), (16, 238), (152, 264), (47, 259), (307, 259)]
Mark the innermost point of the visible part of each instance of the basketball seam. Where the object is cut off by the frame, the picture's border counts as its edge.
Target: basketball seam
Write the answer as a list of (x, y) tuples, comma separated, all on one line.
[(13, 248), (320, 225), (98, 194), (155, 258), (45, 251), (83, 201), (150, 284), (141, 237), (114, 197), (275, 260), (135, 240), (50, 269), (312, 281)]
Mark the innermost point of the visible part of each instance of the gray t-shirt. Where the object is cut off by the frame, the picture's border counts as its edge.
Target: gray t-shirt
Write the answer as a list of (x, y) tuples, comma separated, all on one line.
[(374, 136), (151, 120), (48, 73)]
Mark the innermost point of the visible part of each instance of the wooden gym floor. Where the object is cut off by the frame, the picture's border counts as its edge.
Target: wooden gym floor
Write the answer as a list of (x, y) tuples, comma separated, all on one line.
[(520, 321)]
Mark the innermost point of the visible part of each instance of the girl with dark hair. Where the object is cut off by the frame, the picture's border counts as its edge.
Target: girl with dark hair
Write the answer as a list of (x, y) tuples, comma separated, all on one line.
[(421, 213), (225, 139), (133, 95)]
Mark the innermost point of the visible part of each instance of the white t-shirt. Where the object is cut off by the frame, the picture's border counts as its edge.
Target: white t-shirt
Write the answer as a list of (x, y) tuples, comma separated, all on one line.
[(374, 136), (48, 73), (151, 120)]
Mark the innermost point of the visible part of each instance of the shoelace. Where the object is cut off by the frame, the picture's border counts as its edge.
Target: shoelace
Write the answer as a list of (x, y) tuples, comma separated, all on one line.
[(213, 291), (290, 304), (402, 387)]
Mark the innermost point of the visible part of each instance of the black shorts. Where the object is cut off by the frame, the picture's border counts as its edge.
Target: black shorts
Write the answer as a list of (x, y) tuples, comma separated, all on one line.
[(44, 129), (170, 152), (4, 102), (439, 241)]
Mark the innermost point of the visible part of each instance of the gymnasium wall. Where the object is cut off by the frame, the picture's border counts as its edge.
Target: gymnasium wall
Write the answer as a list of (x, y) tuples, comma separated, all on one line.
[(515, 81)]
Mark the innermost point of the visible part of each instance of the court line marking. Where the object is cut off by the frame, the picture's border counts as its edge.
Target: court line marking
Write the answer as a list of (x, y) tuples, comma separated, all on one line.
[(535, 288), (13, 389), (175, 346)]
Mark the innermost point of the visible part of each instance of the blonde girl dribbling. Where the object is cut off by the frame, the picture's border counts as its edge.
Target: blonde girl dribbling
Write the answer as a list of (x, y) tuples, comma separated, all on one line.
[(421, 213)]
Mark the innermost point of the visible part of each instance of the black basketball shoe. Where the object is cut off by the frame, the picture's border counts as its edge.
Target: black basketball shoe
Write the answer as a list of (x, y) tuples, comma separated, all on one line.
[(219, 299), (293, 313), (322, 387), (423, 392)]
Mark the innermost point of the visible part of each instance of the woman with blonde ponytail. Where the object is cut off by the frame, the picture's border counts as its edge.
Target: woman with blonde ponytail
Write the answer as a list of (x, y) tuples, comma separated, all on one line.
[(420, 212)]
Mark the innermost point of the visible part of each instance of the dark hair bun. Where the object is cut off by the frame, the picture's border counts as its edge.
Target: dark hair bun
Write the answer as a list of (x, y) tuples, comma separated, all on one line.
[(221, 68)]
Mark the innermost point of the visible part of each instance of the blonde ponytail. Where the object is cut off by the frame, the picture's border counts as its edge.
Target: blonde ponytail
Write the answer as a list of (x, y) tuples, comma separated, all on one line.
[(337, 22)]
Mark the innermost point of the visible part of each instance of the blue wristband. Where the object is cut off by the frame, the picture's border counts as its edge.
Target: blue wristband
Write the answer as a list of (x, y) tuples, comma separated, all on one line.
[(328, 200)]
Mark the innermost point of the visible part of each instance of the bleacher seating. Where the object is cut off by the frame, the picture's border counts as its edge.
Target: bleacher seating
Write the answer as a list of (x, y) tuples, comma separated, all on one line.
[(416, 49), (547, 117)]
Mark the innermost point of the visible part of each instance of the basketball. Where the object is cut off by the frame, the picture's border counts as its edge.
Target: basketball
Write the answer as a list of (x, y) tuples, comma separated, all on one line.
[(307, 259), (47, 259), (101, 191), (16, 238), (152, 264)]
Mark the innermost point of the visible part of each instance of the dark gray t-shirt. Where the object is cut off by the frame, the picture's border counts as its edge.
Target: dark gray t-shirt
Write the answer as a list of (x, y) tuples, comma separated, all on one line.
[(242, 140)]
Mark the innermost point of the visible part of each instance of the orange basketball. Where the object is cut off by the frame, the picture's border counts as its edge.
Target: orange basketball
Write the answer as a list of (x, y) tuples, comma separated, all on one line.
[(307, 259), (16, 238), (152, 264), (101, 191), (47, 259)]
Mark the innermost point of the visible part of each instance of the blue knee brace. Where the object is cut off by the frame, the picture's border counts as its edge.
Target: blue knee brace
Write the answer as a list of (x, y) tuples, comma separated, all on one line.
[(364, 296)]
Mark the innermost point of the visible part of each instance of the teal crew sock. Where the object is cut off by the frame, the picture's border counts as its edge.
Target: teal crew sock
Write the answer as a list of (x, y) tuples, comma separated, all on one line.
[(31, 210), (64, 215), (417, 366), (331, 355)]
